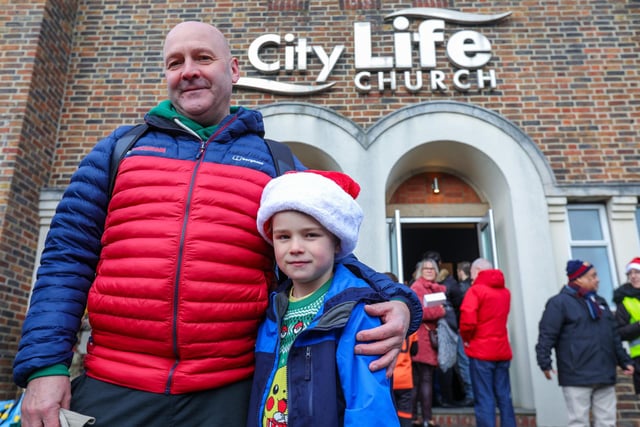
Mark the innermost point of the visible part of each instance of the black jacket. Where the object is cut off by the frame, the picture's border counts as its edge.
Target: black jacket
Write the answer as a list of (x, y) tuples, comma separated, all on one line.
[(628, 331), (587, 349)]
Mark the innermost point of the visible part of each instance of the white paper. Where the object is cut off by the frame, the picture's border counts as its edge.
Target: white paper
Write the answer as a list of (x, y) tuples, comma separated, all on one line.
[(431, 300)]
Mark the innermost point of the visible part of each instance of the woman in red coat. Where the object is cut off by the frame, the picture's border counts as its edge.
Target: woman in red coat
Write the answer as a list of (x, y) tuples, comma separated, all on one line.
[(427, 357)]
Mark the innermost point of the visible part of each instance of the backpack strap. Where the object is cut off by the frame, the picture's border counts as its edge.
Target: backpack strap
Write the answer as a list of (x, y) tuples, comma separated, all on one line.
[(282, 156), (122, 146), (281, 153)]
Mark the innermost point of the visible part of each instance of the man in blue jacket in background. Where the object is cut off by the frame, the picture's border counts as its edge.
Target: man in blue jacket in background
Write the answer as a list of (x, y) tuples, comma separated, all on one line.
[(579, 325)]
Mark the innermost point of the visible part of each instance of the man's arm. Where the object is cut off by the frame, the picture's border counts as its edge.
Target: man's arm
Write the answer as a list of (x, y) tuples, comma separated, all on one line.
[(386, 339), (400, 316), (67, 269), (388, 289), (548, 332)]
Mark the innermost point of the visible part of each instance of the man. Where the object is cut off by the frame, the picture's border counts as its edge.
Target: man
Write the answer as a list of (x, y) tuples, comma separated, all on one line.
[(483, 327), (174, 270), (578, 324)]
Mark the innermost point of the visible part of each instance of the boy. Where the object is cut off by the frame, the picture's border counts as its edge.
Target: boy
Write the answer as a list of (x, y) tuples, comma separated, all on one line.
[(307, 373)]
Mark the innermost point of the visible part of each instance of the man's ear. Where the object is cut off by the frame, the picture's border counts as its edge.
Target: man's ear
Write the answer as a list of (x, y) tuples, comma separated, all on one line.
[(235, 69)]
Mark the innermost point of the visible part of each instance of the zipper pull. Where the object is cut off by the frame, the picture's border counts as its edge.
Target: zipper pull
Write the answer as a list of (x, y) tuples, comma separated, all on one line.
[(202, 147), (307, 370)]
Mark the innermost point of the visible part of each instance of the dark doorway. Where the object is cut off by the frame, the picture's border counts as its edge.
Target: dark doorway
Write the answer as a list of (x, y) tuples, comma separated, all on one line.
[(455, 242)]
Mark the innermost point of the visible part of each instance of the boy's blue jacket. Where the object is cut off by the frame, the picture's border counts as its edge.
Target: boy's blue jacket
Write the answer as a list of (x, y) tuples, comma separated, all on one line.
[(328, 384)]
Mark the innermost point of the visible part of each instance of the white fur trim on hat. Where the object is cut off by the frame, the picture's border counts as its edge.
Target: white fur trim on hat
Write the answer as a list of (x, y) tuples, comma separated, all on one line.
[(634, 264), (317, 196)]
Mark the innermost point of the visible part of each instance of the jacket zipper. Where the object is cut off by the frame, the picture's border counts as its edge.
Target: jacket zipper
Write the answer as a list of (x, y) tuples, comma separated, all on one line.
[(176, 292)]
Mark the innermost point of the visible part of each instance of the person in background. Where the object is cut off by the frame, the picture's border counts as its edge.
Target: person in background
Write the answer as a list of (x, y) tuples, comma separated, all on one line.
[(627, 299), (307, 373), (578, 324), (483, 328), (403, 386), (444, 381), (426, 359), (464, 277), (170, 266), (462, 362)]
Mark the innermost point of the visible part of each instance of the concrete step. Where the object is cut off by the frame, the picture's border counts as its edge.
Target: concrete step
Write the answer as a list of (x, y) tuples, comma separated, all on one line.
[(465, 417)]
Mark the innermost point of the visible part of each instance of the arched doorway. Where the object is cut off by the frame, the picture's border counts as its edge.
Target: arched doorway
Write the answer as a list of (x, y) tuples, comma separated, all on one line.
[(498, 159), (437, 211)]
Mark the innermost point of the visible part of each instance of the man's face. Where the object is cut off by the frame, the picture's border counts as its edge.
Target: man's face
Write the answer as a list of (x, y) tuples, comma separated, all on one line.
[(589, 281), (200, 72)]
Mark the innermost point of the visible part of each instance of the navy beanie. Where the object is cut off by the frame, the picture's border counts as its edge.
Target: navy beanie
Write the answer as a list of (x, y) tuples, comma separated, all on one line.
[(577, 268)]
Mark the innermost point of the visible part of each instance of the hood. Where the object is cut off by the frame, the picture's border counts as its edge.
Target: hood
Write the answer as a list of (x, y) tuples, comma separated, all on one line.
[(492, 278)]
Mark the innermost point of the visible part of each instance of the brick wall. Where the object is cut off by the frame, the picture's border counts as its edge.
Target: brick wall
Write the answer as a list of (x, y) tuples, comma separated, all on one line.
[(567, 71), (419, 189), (35, 45)]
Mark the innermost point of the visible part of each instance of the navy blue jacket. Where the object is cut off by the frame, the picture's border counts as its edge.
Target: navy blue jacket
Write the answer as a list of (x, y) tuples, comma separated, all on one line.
[(587, 349), (328, 385)]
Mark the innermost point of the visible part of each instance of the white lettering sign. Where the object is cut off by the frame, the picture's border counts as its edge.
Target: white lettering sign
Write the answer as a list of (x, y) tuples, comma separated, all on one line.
[(466, 50)]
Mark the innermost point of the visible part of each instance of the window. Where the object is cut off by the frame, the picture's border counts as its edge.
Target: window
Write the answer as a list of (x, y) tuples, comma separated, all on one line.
[(590, 242), (638, 219)]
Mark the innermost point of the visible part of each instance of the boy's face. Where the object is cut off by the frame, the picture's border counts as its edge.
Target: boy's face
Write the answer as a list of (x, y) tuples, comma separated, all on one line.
[(305, 250)]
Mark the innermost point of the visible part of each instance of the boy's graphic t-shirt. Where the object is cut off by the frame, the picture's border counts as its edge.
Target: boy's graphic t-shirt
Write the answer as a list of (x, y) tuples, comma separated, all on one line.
[(299, 315)]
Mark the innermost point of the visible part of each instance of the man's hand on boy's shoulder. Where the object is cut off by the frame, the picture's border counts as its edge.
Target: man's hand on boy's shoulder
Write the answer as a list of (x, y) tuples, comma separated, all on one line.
[(385, 340)]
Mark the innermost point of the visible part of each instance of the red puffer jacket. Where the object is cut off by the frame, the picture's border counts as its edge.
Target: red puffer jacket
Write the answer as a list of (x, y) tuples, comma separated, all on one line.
[(483, 318), (178, 297)]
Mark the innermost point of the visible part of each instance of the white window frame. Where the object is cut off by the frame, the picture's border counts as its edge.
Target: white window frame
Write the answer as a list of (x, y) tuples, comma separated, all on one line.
[(605, 242)]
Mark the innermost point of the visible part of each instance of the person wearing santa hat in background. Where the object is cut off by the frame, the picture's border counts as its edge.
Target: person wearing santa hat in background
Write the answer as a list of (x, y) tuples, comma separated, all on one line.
[(627, 299), (307, 373), (580, 326)]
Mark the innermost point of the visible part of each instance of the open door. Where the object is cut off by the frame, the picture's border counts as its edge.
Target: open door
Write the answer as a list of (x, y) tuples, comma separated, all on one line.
[(456, 238), (487, 238), (395, 247)]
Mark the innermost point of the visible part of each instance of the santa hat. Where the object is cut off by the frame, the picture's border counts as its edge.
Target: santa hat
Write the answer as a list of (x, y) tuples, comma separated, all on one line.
[(577, 268), (329, 197), (634, 264)]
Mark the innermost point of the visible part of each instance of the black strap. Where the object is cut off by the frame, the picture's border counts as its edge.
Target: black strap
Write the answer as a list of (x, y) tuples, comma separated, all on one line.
[(281, 153), (123, 144), (282, 156)]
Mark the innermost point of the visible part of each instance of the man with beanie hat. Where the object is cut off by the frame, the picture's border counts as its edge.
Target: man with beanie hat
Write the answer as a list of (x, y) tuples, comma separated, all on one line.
[(307, 373), (579, 325), (627, 299)]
